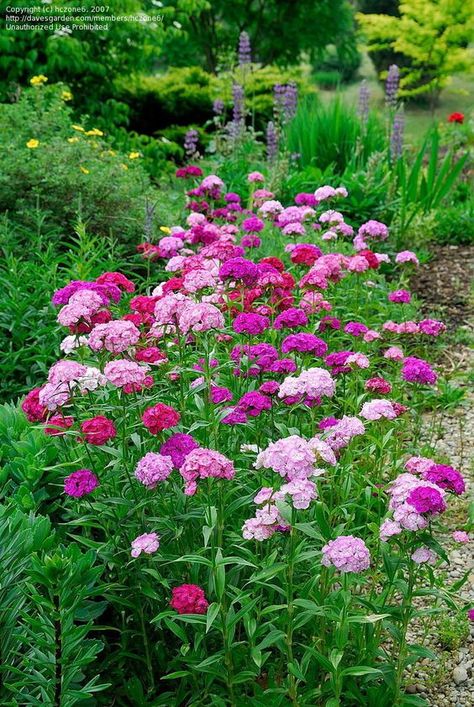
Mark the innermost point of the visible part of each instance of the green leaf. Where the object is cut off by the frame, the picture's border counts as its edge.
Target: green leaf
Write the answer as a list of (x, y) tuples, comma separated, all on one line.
[(212, 612), (361, 670), (176, 675)]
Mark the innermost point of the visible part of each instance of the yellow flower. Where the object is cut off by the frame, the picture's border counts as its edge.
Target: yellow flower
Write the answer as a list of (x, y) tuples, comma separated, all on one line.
[(165, 229), (134, 155), (124, 166), (72, 140), (33, 144), (38, 80), (84, 170), (66, 95), (112, 153), (79, 128), (95, 131)]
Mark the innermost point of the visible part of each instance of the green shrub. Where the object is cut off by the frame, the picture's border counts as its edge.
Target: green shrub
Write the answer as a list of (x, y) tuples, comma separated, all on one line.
[(180, 96), (67, 170), (259, 86), (455, 224), (184, 95), (329, 79), (343, 60)]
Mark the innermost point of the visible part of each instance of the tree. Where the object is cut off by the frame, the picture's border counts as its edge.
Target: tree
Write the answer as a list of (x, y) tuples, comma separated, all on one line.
[(280, 31), (432, 36), (88, 60)]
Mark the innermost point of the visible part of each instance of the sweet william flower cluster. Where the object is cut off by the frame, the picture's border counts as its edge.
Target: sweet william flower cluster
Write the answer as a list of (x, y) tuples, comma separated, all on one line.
[(238, 430)]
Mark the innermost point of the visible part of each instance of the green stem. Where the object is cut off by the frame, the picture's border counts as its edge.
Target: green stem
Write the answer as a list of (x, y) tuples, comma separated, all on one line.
[(147, 652), (292, 689), (402, 646)]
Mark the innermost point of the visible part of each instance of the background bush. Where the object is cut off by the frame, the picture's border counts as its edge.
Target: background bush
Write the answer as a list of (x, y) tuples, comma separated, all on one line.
[(69, 172)]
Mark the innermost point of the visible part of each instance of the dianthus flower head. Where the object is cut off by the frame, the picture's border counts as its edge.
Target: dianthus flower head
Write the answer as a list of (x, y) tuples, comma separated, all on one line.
[(302, 492), (202, 463), (250, 323), (253, 225), (431, 327), (358, 360), (313, 382), (153, 468), (160, 417), (304, 343), (394, 353), (198, 279), (254, 403), (189, 599), (170, 306), (418, 465), (407, 256), (200, 317), (416, 370), (98, 430), (54, 395), (305, 254), (376, 409), (220, 394), (178, 446), (33, 409), (347, 554), (340, 434), (290, 319), (291, 457), (80, 483), (378, 385), (374, 230), (423, 555), (399, 296), (460, 536), (122, 372), (388, 529), (254, 177), (147, 543), (105, 292), (446, 477), (239, 269), (426, 499), (355, 328), (118, 279), (65, 371)]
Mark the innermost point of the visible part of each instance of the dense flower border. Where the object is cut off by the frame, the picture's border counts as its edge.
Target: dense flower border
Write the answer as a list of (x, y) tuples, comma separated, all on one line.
[(267, 391)]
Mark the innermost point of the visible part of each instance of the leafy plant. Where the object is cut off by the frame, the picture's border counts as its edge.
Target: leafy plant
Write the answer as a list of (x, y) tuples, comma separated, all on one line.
[(433, 37), (423, 186), (279, 32), (264, 564), (67, 170), (88, 60), (47, 612), (333, 135), (453, 631)]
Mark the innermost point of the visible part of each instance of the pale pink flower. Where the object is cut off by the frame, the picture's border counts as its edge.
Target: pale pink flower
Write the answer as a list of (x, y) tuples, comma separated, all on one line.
[(147, 543)]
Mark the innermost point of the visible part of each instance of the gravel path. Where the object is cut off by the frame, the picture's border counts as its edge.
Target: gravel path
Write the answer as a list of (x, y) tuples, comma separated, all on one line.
[(444, 286)]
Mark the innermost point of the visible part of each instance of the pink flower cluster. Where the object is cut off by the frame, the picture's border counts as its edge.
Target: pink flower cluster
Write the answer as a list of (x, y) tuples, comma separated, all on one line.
[(346, 553), (202, 463), (153, 468)]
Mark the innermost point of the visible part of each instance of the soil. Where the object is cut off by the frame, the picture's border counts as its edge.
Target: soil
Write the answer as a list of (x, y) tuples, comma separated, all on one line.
[(443, 285)]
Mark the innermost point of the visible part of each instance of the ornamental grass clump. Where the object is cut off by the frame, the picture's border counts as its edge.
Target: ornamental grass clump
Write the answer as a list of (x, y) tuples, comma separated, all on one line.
[(240, 454)]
